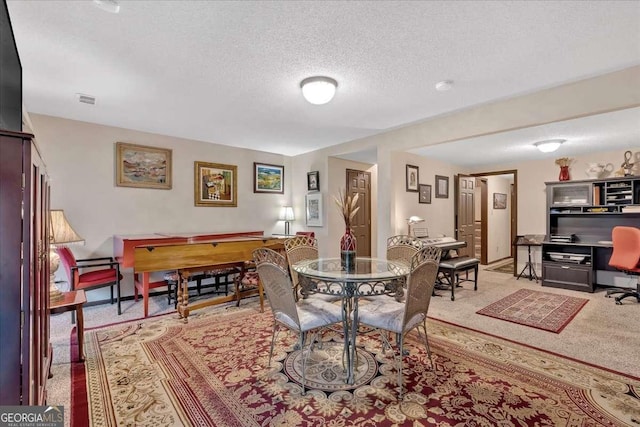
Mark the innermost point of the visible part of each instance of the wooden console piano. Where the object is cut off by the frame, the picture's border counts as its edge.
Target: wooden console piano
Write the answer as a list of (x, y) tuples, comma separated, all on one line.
[(188, 253)]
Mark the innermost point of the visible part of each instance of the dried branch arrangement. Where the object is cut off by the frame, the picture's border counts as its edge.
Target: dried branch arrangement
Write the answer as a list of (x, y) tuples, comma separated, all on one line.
[(347, 206)]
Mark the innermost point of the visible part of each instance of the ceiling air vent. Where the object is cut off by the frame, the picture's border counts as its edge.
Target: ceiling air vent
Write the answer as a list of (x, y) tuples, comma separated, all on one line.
[(86, 99)]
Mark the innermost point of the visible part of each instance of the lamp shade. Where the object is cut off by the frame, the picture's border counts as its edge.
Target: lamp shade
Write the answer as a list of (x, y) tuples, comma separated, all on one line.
[(549, 145), (286, 214), (61, 231), (318, 90), (414, 220)]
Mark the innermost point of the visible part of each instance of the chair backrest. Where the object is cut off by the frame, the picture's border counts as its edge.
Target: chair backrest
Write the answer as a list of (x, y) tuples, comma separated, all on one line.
[(422, 279), (272, 269), (403, 247), (298, 249), (68, 261), (626, 248)]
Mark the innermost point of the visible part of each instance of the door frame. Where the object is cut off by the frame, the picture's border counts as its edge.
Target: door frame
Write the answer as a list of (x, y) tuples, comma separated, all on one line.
[(514, 213)]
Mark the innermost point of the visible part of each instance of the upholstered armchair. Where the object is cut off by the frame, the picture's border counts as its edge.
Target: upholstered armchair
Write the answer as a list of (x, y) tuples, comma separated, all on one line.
[(94, 275)]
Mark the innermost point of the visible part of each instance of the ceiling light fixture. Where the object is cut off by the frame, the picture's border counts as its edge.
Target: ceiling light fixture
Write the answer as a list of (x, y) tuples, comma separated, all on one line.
[(444, 85), (549, 145), (110, 6), (318, 90)]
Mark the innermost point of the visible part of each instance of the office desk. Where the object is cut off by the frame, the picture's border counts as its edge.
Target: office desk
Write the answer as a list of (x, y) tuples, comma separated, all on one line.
[(371, 277)]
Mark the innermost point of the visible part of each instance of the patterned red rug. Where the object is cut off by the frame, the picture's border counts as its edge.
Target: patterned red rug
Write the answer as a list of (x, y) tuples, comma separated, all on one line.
[(213, 372), (541, 310)]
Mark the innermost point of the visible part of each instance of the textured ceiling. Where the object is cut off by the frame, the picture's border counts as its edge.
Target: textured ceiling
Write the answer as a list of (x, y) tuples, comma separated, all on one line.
[(229, 72)]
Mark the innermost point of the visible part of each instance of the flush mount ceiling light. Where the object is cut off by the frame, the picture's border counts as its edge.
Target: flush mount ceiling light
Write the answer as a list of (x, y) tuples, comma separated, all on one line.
[(318, 90), (444, 85), (549, 145), (111, 6)]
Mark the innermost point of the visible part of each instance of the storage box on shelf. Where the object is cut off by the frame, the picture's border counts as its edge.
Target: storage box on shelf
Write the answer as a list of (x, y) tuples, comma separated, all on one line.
[(587, 211)]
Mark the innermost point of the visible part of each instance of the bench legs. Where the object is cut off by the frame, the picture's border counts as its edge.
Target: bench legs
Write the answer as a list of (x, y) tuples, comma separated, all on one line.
[(452, 278)]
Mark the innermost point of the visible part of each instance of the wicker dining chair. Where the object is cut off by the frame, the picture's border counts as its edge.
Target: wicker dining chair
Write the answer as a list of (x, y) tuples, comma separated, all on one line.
[(305, 318), (387, 314)]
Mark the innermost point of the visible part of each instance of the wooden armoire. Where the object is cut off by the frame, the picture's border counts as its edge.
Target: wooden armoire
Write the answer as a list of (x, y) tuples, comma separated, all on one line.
[(25, 353)]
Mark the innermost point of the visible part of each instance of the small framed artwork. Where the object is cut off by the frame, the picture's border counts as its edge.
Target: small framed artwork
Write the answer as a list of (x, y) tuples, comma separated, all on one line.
[(313, 205), (313, 181), (412, 178), (215, 184), (499, 201), (442, 187), (143, 167), (424, 193), (268, 178)]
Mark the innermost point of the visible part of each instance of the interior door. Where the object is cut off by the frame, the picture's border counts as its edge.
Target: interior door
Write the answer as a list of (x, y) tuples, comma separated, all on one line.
[(465, 218), (359, 182)]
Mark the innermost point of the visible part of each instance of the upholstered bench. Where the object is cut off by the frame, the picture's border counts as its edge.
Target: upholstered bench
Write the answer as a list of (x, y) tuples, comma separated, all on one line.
[(220, 278), (450, 269)]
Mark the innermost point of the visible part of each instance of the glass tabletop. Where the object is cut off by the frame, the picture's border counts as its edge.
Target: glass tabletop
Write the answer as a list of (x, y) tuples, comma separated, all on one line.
[(366, 269)]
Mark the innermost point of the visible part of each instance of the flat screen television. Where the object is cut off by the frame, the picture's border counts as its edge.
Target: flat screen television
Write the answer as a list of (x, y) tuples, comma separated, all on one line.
[(10, 76)]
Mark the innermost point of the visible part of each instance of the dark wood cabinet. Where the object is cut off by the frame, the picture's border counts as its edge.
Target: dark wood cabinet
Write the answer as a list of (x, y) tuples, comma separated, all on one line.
[(25, 354), (580, 218)]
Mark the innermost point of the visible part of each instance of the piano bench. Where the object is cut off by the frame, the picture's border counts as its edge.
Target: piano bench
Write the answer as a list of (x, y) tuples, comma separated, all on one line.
[(220, 278), (450, 269)]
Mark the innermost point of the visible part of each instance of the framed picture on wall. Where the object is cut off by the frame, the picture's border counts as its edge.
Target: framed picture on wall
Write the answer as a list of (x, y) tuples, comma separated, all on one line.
[(442, 187), (215, 184), (313, 181), (412, 178), (499, 201), (268, 178), (424, 193), (143, 167), (313, 207)]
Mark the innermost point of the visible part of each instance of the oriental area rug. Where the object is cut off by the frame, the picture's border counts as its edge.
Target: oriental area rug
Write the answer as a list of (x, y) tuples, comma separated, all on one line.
[(541, 310), (214, 371)]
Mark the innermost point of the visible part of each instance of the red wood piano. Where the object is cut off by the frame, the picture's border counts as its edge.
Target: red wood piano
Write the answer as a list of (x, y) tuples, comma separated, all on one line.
[(185, 252)]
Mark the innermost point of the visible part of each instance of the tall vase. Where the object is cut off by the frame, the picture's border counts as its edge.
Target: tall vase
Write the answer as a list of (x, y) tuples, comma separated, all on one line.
[(564, 173), (348, 251)]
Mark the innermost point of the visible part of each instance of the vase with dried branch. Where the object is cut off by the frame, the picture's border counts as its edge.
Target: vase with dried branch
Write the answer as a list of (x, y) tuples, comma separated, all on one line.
[(348, 207), (564, 163)]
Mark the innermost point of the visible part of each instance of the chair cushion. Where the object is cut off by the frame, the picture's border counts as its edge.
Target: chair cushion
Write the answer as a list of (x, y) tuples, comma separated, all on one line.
[(250, 279), (459, 263), (97, 277), (312, 314), (171, 276), (386, 313), (220, 272)]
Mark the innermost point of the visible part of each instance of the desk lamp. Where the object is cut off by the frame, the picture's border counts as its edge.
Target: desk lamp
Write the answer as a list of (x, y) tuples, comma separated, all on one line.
[(61, 234), (412, 220), (286, 215)]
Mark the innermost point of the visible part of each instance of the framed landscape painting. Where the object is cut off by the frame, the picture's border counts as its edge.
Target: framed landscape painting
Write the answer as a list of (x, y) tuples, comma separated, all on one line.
[(268, 178), (143, 167), (215, 184)]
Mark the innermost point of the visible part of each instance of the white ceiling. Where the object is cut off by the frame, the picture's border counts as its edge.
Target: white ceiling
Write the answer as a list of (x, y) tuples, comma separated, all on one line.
[(229, 72)]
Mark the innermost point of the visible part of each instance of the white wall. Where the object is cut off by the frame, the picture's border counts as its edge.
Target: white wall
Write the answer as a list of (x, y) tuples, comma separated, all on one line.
[(439, 215), (80, 162)]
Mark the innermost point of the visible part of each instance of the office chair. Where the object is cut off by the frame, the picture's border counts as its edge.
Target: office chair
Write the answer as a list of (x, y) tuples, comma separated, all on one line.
[(626, 257)]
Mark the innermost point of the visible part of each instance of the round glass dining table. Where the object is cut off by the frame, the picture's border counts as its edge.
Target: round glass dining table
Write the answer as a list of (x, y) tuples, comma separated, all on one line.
[(370, 277)]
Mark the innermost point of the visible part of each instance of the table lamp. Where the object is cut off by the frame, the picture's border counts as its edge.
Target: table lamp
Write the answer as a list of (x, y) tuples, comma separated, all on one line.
[(286, 215), (412, 220), (62, 234)]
